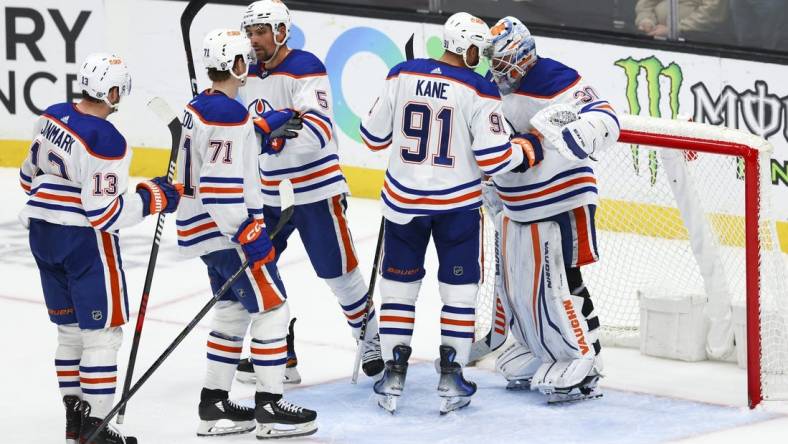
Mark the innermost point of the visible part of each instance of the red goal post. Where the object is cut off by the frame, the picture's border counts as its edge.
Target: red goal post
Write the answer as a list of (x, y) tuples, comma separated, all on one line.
[(766, 369)]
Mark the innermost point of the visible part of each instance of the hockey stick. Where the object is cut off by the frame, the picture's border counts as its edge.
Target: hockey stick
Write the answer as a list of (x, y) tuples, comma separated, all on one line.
[(370, 292), (375, 263), (165, 113), (287, 198), (187, 17)]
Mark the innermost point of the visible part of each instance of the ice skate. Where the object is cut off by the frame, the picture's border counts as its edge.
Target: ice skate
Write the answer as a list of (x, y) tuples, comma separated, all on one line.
[(277, 418), (220, 416), (455, 390), (108, 435), (371, 359), (73, 418), (588, 389), (390, 386)]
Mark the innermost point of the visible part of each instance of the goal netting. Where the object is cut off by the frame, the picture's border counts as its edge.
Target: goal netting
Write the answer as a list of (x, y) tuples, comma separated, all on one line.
[(685, 210)]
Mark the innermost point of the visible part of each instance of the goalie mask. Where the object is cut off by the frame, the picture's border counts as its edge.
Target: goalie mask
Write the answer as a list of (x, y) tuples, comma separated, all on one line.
[(462, 31), (511, 54), (268, 12), (100, 73), (221, 47)]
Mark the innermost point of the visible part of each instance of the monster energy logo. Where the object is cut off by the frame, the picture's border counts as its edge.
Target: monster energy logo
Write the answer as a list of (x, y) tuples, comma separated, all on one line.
[(654, 70)]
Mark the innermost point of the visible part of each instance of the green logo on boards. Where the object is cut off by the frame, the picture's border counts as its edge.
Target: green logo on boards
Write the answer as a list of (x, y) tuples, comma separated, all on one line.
[(663, 83)]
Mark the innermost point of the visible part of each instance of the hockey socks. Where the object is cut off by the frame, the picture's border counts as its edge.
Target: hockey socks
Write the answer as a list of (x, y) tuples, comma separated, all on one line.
[(224, 352), (269, 357), (457, 330), (396, 327)]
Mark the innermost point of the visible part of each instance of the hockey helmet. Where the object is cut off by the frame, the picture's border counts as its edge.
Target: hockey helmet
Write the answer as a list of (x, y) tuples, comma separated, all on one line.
[(462, 31), (268, 12), (222, 46), (100, 73)]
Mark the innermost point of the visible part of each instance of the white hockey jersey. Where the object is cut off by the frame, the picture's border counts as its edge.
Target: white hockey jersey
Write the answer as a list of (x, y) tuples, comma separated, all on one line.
[(557, 184), (77, 172), (311, 160), (447, 128), (217, 165)]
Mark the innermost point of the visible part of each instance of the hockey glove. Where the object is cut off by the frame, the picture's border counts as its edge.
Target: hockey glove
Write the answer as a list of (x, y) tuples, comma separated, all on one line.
[(551, 122), (533, 153), (159, 196), (255, 242), (276, 126)]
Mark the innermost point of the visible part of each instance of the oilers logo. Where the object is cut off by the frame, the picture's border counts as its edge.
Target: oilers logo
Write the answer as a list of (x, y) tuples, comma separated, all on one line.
[(259, 106)]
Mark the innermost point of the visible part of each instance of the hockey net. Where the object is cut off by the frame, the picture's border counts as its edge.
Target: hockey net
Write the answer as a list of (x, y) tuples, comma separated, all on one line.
[(685, 210)]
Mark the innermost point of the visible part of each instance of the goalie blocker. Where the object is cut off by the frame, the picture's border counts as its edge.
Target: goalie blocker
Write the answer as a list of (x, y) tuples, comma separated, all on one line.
[(552, 317)]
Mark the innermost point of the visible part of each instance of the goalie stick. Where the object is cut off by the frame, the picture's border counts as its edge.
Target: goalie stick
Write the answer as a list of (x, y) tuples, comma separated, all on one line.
[(375, 263), (287, 199), (160, 107)]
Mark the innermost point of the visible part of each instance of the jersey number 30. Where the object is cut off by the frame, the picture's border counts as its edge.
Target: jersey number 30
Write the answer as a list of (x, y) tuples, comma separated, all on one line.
[(416, 124)]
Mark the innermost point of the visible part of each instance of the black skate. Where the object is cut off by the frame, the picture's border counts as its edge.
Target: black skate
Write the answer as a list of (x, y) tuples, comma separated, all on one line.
[(220, 416), (371, 360), (455, 390), (73, 418), (277, 418), (244, 372), (392, 383), (108, 435)]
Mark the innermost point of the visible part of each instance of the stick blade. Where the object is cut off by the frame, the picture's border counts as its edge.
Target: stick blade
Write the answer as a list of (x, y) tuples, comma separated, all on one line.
[(162, 109), (286, 195)]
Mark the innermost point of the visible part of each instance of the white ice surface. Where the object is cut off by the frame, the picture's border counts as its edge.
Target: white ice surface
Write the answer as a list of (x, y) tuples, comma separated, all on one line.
[(698, 402)]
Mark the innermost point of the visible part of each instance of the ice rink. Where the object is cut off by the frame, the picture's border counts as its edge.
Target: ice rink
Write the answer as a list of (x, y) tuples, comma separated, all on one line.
[(646, 399)]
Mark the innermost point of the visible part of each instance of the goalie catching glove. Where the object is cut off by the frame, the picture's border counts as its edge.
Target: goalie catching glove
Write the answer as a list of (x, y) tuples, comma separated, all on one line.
[(255, 243), (159, 196), (577, 134), (274, 127)]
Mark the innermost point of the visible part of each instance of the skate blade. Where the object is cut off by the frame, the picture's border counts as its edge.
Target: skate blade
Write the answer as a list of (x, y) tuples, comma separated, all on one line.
[(560, 398), (71, 441), (453, 403), (276, 430), (519, 385), (388, 403), (224, 427)]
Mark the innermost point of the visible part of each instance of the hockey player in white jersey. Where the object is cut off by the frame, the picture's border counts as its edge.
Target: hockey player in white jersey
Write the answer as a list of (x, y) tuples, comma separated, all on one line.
[(547, 224), (221, 221), (76, 175), (446, 126), (297, 80)]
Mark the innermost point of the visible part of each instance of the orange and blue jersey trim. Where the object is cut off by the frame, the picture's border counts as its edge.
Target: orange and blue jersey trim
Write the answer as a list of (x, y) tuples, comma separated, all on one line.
[(373, 142)]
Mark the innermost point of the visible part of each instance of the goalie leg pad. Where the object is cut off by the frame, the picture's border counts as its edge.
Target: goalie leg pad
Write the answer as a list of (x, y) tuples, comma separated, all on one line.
[(269, 348), (544, 313), (517, 363), (351, 292), (458, 317), (397, 314)]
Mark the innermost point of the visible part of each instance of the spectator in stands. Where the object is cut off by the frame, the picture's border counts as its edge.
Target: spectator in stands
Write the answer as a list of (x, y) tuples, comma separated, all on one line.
[(695, 16), (760, 23)]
